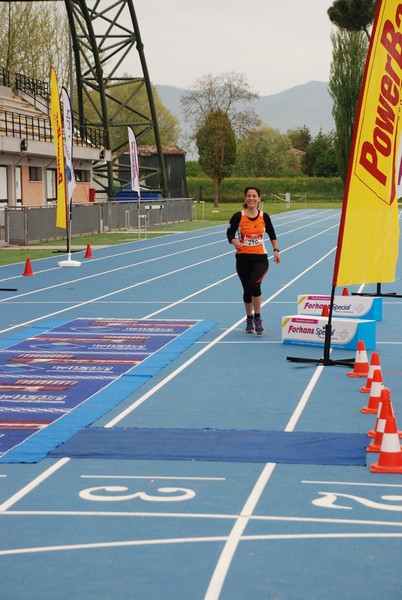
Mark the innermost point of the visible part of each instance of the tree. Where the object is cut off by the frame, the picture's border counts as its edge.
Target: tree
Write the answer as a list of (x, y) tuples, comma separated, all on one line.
[(320, 158), (229, 93), (42, 41), (265, 152), (216, 145), (300, 137), (346, 74), (353, 15)]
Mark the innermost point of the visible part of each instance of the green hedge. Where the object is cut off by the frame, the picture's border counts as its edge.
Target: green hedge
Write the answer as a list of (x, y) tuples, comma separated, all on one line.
[(320, 188)]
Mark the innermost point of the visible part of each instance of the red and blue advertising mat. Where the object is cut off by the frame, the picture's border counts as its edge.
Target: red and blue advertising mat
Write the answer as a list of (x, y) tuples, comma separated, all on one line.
[(55, 383)]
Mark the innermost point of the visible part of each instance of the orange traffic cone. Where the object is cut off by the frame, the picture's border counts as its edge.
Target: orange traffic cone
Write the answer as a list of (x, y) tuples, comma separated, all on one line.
[(361, 366), (325, 311), (373, 432), (384, 412), (374, 364), (28, 268), (88, 253), (390, 458), (388, 412), (375, 393), (345, 292)]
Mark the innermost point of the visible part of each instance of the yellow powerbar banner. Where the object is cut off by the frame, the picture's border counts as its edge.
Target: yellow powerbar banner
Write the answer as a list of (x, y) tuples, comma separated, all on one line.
[(367, 249), (57, 128)]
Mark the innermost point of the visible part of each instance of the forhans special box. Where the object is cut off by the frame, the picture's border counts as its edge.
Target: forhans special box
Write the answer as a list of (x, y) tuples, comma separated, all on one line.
[(345, 333)]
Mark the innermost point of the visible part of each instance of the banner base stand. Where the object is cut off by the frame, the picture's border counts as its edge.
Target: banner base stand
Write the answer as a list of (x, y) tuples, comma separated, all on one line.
[(345, 362), (69, 262), (378, 293)]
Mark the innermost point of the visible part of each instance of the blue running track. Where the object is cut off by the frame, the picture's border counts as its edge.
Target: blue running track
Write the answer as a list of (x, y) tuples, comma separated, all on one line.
[(171, 493)]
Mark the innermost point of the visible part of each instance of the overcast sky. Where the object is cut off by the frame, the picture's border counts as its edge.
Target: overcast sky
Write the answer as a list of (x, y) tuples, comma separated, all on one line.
[(277, 44)]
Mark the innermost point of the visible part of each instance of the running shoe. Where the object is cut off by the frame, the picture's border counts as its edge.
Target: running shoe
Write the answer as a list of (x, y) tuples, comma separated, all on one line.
[(259, 329), (250, 325)]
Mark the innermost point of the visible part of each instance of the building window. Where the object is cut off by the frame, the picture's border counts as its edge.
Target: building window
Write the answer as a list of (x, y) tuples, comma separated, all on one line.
[(82, 175), (3, 184), (51, 184), (35, 174)]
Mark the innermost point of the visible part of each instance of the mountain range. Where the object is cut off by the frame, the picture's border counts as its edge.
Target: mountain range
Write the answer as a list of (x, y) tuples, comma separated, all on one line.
[(307, 105)]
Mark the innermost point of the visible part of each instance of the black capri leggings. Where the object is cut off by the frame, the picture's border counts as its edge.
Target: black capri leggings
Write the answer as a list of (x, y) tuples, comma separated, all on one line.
[(251, 269)]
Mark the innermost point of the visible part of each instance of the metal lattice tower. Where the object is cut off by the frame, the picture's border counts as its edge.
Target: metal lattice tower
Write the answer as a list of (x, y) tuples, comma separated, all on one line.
[(104, 33)]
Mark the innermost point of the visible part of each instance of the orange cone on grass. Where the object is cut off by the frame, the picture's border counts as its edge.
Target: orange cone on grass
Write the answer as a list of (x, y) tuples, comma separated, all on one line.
[(88, 253), (390, 458), (374, 364), (385, 411), (375, 393), (361, 366), (28, 268)]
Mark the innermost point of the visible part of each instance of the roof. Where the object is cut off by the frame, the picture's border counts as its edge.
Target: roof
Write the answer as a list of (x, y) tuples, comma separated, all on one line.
[(149, 150)]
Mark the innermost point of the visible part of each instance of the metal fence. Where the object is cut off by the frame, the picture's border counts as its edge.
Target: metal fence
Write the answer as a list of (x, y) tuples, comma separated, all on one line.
[(29, 224)]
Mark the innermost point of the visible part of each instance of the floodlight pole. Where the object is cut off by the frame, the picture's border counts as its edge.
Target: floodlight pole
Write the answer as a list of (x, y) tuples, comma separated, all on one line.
[(102, 35)]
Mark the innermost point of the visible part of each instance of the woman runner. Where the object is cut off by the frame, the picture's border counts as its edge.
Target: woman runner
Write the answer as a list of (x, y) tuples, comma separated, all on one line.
[(246, 232)]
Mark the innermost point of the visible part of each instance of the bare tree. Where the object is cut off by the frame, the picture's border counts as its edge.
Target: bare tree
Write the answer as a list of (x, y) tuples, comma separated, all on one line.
[(229, 93)]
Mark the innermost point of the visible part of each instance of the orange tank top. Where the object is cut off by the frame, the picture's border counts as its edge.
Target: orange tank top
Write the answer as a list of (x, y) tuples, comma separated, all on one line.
[(251, 234)]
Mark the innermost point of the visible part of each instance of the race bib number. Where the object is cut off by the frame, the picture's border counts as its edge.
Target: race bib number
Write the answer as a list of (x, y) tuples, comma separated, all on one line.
[(253, 239)]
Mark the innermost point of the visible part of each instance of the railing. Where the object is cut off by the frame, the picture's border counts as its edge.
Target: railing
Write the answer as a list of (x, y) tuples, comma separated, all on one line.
[(30, 127), (25, 225), (88, 133), (25, 126), (31, 86)]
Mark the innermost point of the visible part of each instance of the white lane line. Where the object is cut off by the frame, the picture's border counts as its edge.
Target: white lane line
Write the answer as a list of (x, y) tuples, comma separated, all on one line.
[(129, 287), (140, 263), (92, 300), (197, 516), (174, 477), (175, 241), (233, 540), (304, 399), (226, 557), (116, 269), (196, 540), (99, 545), (33, 484), (117, 254), (203, 350), (392, 485), (60, 463)]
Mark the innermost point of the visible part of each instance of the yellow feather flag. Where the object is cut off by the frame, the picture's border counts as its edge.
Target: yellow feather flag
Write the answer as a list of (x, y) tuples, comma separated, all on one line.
[(57, 128), (368, 239)]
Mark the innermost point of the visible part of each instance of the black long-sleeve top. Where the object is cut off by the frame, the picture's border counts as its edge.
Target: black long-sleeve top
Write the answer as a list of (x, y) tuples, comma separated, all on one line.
[(234, 225)]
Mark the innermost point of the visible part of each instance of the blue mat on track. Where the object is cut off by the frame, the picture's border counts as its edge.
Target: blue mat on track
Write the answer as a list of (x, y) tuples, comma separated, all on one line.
[(61, 380), (217, 445)]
